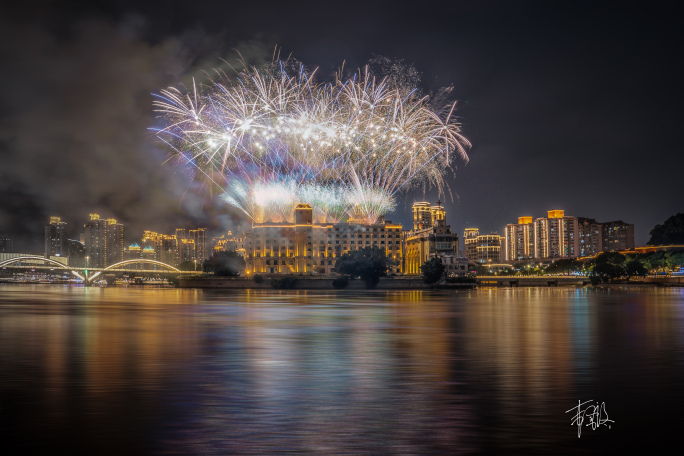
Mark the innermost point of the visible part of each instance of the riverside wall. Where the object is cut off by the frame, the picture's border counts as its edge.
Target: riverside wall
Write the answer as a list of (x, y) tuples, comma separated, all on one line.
[(303, 283)]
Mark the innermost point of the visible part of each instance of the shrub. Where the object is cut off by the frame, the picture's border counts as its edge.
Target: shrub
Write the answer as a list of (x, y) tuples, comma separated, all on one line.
[(461, 280), (595, 280), (258, 279), (340, 282), (369, 264), (224, 264), (432, 270), (284, 283)]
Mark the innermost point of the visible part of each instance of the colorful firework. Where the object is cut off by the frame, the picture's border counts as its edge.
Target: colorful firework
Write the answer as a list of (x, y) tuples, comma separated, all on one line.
[(272, 138)]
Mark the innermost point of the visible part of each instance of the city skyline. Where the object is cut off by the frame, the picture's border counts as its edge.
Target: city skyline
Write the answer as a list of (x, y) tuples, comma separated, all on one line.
[(578, 127)]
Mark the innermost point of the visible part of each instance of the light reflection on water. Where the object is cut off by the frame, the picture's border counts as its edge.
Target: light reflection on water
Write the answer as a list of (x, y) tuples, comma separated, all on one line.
[(171, 371)]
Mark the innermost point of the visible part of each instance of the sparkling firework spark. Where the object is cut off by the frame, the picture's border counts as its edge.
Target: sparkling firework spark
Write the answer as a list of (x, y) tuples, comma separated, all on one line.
[(272, 138)]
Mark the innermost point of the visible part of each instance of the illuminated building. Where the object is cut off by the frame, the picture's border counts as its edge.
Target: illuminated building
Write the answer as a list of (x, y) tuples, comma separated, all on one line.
[(229, 243), (556, 236), (561, 236), (430, 238), (114, 242), (186, 250), (307, 247), (590, 237), (103, 242), (482, 248), (165, 247), (426, 216), (56, 238), (148, 254), (455, 266), (470, 242), (519, 240), (199, 238), (617, 235), (133, 252)]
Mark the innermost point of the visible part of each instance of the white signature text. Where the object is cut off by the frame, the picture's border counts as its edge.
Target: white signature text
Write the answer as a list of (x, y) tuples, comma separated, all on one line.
[(594, 415)]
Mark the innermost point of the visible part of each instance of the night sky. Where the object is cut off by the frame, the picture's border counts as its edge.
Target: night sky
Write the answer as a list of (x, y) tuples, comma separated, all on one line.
[(573, 107)]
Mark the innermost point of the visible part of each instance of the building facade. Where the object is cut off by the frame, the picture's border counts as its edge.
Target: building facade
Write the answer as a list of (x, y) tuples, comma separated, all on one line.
[(455, 266), (229, 243), (519, 240), (590, 237), (482, 248), (307, 247), (199, 238), (103, 242), (617, 235), (56, 242), (556, 236), (470, 243), (430, 238), (561, 236)]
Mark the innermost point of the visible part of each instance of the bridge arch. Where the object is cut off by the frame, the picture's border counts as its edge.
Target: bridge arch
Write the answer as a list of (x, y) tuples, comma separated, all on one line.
[(40, 258), (140, 260)]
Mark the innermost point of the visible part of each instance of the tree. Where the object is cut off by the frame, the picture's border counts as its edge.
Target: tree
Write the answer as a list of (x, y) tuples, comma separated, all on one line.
[(224, 264), (432, 270), (369, 264), (609, 265), (187, 266), (566, 265), (671, 232), (635, 268)]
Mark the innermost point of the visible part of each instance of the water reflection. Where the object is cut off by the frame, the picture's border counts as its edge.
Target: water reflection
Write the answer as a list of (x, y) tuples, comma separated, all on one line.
[(168, 371)]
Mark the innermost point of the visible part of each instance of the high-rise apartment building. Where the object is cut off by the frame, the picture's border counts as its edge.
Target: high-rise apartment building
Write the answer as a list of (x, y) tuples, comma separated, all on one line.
[(95, 242), (561, 236), (165, 247), (430, 238), (590, 236), (308, 247), (617, 235), (56, 242), (519, 240), (103, 242), (115, 241), (556, 236), (199, 237)]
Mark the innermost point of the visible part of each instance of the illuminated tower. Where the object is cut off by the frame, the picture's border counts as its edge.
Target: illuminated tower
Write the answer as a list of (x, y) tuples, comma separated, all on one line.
[(556, 236), (95, 243), (437, 214), (519, 239), (114, 241), (422, 216), (103, 242), (56, 238), (200, 237)]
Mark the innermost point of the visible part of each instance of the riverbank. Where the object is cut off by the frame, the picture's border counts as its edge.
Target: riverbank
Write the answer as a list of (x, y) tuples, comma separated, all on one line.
[(317, 283)]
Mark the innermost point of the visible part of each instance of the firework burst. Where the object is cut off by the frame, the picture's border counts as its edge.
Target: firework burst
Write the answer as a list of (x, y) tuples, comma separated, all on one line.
[(276, 138)]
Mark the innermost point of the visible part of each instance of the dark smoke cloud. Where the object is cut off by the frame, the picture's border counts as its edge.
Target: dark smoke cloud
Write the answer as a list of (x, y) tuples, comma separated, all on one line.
[(73, 127)]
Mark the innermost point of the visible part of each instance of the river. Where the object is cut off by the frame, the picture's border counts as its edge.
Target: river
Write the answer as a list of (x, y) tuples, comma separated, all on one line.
[(125, 371)]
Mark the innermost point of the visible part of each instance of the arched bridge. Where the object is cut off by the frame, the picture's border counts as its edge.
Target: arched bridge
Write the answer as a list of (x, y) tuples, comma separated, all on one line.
[(87, 274)]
